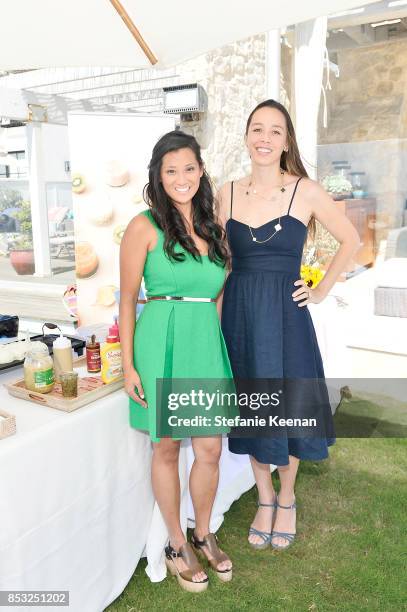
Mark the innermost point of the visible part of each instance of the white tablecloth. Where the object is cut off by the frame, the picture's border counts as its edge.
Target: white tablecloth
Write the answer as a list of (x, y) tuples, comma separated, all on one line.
[(76, 505)]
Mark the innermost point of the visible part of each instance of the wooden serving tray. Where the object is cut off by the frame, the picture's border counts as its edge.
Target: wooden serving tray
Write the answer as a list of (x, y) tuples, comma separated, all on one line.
[(90, 388)]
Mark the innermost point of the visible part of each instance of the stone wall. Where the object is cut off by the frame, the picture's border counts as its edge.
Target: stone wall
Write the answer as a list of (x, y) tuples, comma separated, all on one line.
[(369, 99), (367, 123), (367, 113), (234, 79)]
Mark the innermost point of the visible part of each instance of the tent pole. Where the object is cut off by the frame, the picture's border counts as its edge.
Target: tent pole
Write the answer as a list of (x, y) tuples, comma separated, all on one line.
[(134, 31)]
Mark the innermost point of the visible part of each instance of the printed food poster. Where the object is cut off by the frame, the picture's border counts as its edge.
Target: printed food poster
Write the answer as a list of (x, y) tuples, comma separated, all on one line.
[(110, 153)]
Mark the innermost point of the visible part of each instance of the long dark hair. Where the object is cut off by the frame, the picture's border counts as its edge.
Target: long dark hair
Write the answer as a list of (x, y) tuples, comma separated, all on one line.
[(166, 214), (290, 160)]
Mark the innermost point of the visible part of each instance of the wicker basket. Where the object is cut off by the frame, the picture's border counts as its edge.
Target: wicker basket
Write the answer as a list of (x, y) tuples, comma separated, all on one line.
[(390, 301), (7, 425)]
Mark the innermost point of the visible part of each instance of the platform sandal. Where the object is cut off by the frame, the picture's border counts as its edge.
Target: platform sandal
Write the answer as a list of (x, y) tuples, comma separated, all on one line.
[(264, 535), (194, 567), (283, 534), (211, 543)]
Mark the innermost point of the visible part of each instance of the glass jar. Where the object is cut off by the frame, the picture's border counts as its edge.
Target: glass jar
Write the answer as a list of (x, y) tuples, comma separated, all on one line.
[(359, 184), (342, 170), (39, 369)]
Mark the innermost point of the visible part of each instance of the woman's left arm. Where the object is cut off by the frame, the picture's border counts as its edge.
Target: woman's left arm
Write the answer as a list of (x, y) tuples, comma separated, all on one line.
[(336, 223)]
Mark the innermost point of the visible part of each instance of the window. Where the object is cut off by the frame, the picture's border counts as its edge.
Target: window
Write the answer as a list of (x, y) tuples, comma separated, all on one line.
[(362, 150), (17, 170)]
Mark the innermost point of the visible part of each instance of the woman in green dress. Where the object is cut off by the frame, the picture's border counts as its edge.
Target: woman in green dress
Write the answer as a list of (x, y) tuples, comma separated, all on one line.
[(180, 250)]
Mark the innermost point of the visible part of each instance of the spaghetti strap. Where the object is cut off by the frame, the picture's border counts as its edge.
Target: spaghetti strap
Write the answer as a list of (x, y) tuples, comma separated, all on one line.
[(231, 199), (292, 197)]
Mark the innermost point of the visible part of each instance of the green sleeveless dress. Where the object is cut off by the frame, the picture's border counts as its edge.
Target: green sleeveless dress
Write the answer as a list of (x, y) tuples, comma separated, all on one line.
[(177, 339)]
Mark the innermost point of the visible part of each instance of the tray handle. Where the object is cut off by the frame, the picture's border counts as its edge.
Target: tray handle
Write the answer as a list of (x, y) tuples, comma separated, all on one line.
[(38, 398)]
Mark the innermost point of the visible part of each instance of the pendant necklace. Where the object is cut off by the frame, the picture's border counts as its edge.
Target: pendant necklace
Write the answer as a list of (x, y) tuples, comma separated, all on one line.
[(277, 226)]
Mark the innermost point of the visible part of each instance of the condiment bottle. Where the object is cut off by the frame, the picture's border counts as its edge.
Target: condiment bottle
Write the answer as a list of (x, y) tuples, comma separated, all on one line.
[(62, 351), (38, 369), (93, 360), (111, 355), (114, 329)]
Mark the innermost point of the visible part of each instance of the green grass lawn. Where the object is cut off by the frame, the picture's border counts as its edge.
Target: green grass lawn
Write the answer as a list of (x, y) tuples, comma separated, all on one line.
[(350, 552), (364, 418)]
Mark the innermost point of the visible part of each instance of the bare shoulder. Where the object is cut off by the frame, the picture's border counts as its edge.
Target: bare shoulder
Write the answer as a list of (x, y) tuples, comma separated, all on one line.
[(242, 183), (222, 201), (311, 189), (320, 203), (140, 229), (224, 191), (238, 184), (140, 223)]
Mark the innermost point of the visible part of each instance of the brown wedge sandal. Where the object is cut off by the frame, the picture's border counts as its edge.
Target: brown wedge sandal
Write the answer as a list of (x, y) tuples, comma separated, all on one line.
[(194, 567), (211, 543)]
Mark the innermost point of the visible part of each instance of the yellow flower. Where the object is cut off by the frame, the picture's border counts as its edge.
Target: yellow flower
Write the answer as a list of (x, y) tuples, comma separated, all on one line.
[(311, 275)]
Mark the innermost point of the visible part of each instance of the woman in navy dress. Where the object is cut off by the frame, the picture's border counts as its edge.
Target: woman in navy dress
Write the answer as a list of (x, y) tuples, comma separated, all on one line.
[(265, 320)]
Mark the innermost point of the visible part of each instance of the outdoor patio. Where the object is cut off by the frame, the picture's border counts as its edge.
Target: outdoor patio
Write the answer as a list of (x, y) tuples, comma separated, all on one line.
[(75, 143)]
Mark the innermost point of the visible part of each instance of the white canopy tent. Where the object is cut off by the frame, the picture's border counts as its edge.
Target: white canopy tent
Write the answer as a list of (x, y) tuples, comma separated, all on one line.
[(103, 32), (138, 34)]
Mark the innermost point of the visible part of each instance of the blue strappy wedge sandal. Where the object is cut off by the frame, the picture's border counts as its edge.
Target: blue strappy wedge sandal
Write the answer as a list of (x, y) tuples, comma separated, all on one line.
[(264, 535), (283, 534)]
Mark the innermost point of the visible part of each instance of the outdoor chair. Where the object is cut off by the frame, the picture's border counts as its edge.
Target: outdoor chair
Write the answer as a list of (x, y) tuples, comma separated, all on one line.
[(390, 294)]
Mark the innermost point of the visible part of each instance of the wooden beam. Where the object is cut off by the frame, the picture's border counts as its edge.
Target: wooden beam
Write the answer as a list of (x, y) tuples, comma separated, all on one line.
[(361, 34), (377, 11), (117, 5), (14, 104)]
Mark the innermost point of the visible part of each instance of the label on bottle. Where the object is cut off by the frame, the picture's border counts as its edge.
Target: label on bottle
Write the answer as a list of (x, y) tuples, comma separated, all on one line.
[(93, 360), (44, 378), (113, 364)]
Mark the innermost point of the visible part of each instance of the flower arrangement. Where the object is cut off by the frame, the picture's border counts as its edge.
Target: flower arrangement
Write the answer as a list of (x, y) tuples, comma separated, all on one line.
[(312, 275), (310, 271)]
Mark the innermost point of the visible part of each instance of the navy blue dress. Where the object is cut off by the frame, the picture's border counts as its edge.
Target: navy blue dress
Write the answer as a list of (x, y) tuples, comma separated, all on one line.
[(267, 334)]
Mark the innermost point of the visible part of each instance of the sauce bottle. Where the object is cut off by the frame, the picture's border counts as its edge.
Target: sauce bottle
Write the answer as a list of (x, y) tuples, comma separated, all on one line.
[(111, 355), (62, 352), (93, 360)]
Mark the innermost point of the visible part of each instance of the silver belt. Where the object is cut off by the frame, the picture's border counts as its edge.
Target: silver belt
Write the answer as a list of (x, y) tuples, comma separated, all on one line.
[(178, 298)]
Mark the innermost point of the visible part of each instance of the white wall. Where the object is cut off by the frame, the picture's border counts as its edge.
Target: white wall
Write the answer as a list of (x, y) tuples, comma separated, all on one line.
[(56, 152), (16, 140)]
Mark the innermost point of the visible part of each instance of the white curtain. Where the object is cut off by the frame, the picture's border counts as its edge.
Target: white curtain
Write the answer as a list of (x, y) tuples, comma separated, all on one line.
[(310, 41)]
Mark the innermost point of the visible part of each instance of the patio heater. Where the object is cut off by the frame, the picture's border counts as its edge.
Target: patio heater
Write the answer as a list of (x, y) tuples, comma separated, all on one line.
[(189, 101)]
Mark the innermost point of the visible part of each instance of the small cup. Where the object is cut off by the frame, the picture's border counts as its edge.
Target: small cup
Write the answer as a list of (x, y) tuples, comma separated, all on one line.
[(69, 384)]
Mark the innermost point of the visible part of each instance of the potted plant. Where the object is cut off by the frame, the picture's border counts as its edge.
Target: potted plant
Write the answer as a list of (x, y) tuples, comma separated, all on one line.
[(21, 252), (338, 186)]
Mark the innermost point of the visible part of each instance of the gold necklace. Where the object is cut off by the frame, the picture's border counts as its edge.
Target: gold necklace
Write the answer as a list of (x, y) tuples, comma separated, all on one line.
[(277, 226)]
